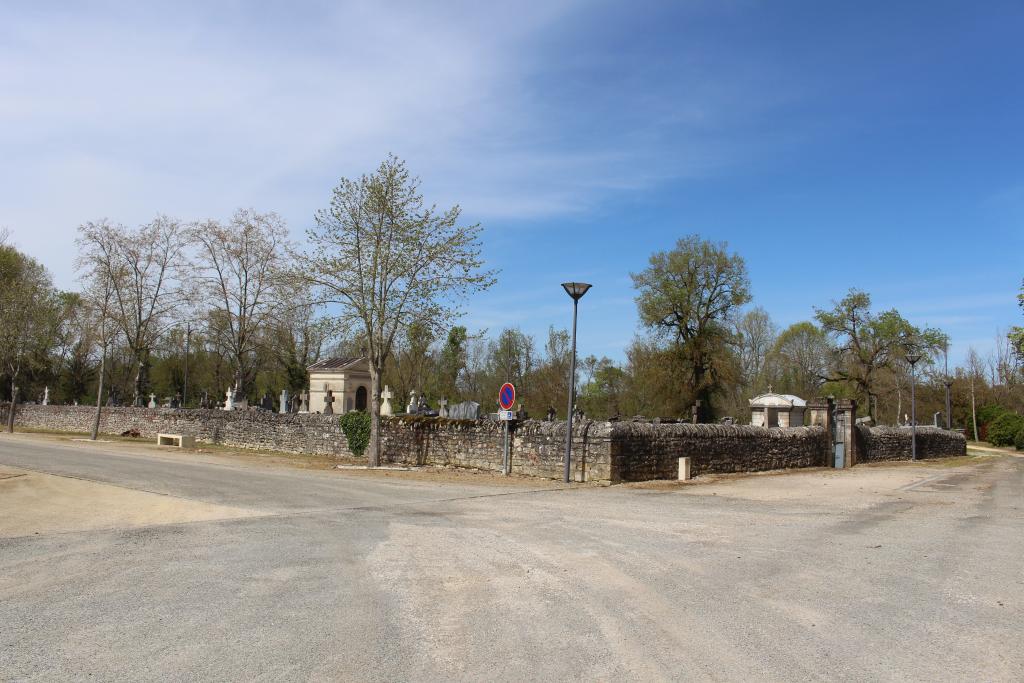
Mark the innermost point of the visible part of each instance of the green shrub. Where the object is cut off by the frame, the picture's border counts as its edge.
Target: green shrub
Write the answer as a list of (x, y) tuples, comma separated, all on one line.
[(356, 425), (1003, 431), (990, 413), (1018, 440)]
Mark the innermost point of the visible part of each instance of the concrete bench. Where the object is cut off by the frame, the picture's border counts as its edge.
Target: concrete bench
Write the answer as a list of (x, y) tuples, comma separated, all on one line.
[(179, 440)]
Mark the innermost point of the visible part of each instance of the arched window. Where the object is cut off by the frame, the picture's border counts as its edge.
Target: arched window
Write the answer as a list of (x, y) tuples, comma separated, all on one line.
[(361, 398)]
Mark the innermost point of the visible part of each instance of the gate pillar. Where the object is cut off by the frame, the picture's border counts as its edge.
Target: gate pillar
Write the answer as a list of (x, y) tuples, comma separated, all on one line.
[(845, 416)]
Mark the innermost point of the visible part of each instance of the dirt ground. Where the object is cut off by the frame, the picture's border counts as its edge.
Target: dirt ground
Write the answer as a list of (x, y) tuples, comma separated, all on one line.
[(37, 503)]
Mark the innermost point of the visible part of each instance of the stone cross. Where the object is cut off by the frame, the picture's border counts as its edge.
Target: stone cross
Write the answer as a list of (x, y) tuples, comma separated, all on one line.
[(304, 402), (329, 403), (46, 396), (229, 399), (443, 410), (284, 402), (152, 400), (385, 408)]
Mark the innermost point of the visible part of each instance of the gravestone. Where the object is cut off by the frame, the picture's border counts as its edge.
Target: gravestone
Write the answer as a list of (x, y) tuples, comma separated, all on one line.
[(411, 408), (467, 410), (46, 396), (267, 402), (329, 403), (551, 414), (229, 399), (443, 403), (304, 402), (284, 402), (385, 408), (296, 403), (152, 400)]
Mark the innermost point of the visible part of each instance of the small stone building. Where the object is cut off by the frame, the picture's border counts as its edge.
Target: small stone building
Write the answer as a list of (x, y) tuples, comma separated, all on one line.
[(777, 410), (347, 378)]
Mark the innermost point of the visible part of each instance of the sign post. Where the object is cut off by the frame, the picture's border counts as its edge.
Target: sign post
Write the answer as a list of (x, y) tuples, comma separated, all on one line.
[(506, 399)]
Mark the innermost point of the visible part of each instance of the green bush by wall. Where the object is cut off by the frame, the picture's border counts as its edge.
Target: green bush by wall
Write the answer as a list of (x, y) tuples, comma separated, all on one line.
[(356, 425)]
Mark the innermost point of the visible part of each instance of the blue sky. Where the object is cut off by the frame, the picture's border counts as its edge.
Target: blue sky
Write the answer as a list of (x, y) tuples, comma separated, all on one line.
[(875, 144)]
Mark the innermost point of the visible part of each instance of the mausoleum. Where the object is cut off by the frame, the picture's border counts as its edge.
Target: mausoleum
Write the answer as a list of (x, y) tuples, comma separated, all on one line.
[(348, 380), (777, 410)]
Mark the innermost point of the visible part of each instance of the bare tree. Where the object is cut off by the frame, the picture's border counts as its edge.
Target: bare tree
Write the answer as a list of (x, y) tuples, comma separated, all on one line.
[(755, 334), (388, 260), (143, 267), (976, 372), (240, 266)]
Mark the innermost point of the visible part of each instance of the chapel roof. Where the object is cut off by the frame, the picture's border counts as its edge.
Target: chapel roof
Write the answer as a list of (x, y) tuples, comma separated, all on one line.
[(335, 364)]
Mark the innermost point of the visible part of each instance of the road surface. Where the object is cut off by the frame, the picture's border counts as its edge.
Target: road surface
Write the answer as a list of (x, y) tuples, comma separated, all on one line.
[(129, 563)]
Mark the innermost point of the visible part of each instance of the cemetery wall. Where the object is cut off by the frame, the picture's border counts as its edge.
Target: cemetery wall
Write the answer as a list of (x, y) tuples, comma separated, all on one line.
[(536, 448), (642, 450), (254, 429), (893, 443), (602, 451)]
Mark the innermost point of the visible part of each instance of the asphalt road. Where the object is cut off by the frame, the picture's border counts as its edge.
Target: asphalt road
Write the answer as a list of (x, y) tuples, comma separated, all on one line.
[(140, 566)]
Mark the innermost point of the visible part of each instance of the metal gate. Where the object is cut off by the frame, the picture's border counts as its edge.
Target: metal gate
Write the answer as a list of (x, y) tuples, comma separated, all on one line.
[(838, 442)]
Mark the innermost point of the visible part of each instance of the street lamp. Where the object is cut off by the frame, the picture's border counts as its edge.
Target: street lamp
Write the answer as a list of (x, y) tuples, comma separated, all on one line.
[(576, 290), (913, 355), (949, 384)]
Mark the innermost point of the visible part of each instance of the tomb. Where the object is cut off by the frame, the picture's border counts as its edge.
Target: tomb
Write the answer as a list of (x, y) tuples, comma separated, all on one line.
[(348, 380), (777, 410)]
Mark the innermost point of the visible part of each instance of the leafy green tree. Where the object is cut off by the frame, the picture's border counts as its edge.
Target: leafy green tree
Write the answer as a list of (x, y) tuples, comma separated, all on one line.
[(869, 343), (799, 360), (387, 260), (452, 362), (689, 294), (1016, 335), (29, 317)]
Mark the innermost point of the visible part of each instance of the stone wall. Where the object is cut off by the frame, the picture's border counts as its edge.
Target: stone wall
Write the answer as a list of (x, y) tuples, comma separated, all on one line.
[(641, 450), (255, 429), (602, 451), (537, 448), (893, 443)]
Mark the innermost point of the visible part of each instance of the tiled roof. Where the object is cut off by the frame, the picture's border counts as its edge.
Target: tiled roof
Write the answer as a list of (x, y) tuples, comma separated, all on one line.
[(335, 363)]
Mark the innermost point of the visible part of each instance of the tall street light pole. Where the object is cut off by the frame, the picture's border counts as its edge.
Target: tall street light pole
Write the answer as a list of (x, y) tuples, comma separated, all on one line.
[(576, 290)]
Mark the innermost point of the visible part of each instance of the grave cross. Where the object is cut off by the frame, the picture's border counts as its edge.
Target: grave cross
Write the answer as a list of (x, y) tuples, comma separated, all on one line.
[(329, 403), (385, 408), (443, 410)]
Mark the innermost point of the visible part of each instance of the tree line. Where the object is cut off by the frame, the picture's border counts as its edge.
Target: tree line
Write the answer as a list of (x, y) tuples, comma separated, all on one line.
[(188, 309)]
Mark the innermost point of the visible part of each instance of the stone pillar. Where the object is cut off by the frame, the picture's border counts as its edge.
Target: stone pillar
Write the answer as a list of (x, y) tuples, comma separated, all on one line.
[(845, 415), (819, 414)]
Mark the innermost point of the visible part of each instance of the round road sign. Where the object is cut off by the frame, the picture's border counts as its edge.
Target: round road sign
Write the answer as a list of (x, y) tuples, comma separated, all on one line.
[(507, 396)]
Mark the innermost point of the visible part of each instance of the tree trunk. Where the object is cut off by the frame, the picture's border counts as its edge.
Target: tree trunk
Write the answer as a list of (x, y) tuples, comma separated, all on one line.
[(373, 449), (99, 396), (142, 378), (974, 412), (10, 412)]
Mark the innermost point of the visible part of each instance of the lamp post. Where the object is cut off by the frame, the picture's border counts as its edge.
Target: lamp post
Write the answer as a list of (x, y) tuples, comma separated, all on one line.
[(576, 290), (913, 355), (184, 389), (949, 385)]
